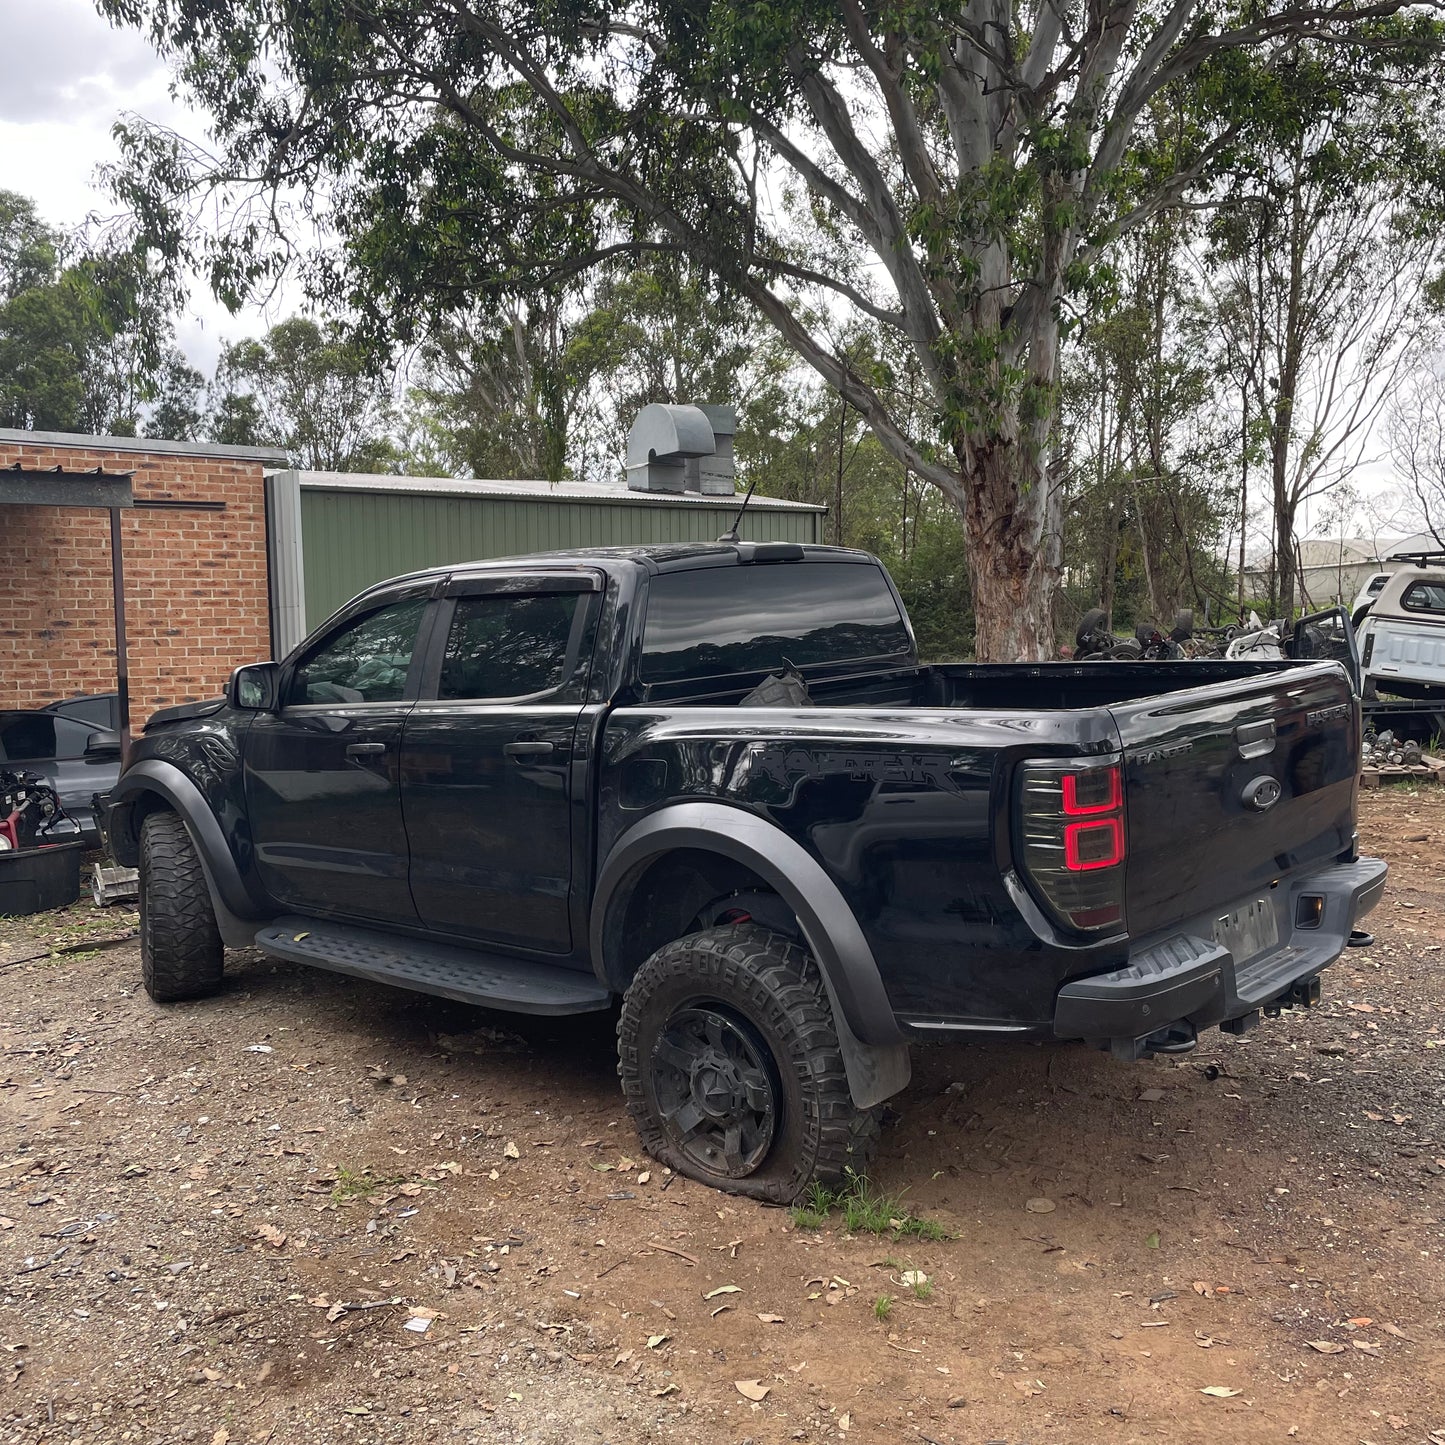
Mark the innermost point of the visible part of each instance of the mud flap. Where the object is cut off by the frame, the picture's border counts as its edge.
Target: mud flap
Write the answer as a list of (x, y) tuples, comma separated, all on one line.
[(875, 1071)]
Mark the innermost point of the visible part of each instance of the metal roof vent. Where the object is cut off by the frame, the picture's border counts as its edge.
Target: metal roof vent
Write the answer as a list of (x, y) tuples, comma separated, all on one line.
[(713, 476), (681, 449)]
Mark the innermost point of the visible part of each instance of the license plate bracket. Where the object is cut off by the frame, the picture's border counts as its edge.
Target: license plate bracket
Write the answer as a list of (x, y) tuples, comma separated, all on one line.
[(1249, 931)]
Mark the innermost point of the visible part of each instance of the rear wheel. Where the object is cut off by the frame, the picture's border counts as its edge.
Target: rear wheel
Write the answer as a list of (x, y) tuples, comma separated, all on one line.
[(180, 946), (731, 1068)]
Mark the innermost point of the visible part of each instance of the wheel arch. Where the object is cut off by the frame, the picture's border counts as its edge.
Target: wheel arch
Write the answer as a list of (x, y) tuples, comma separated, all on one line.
[(152, 785), (739, 846)]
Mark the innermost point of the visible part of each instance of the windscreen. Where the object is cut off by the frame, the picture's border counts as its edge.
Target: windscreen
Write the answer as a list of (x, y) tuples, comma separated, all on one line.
[(720, 621)]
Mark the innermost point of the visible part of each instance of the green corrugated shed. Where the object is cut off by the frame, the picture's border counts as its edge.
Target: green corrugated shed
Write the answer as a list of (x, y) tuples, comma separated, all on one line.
[(352, 531)]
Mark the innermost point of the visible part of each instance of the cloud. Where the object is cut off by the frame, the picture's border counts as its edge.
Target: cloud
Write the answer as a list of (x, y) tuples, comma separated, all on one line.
[(65, 64)]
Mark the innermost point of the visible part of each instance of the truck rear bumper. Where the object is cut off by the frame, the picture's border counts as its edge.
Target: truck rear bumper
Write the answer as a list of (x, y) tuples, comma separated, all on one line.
[(1174, 986)]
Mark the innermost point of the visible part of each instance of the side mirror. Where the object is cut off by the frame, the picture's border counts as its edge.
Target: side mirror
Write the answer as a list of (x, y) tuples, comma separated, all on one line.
[(102, 746), (255, 688)]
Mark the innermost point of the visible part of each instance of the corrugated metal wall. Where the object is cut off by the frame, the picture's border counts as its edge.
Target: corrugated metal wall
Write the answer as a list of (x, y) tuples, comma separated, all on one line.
[(353, 539)]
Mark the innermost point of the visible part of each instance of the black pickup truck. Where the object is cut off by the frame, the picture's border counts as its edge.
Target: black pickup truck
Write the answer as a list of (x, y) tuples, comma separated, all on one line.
[(554, 782)]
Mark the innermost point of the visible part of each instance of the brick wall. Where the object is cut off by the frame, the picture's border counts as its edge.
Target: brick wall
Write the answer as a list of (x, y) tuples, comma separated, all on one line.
[(196, 595)]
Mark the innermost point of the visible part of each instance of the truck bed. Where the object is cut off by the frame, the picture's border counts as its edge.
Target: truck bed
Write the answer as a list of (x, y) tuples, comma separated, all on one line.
[(904, 784)]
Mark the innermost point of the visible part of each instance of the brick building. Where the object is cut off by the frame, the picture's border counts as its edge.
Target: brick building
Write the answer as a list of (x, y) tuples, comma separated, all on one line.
[(194, 548)]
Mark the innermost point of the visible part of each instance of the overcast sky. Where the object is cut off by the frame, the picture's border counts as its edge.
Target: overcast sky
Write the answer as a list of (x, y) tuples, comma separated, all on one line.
[(67, 76)]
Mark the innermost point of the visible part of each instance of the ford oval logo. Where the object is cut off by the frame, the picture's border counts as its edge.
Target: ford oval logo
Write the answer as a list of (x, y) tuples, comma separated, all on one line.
[(1261, 794)]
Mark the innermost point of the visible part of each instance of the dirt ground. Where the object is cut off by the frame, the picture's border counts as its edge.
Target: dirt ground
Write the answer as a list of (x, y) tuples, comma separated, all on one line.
[(308, 1210)]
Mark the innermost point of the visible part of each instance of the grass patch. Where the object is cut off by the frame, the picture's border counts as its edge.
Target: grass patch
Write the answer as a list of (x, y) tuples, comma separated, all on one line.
[(863, 1210), (351, 1184), (882, 1307), (922, 1289)]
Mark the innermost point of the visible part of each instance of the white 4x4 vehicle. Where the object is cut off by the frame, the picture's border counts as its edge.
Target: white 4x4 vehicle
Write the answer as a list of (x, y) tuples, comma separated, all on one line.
[(1402, 637)]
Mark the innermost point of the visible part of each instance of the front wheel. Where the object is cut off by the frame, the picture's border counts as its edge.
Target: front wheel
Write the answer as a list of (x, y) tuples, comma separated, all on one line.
[(181, 953), (731, 1068)]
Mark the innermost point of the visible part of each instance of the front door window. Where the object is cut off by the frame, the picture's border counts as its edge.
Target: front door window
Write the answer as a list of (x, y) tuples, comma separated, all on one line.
[(367, 661)]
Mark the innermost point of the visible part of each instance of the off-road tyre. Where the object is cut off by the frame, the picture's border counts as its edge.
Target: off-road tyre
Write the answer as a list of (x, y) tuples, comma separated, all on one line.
[(769, 994), (180, 946)]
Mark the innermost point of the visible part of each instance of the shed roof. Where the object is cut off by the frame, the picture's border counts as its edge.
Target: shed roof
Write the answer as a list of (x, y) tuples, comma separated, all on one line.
[(539, 491)]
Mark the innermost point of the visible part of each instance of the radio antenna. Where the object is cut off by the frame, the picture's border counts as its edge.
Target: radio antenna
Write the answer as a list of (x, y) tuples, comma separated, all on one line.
[(731, 535)]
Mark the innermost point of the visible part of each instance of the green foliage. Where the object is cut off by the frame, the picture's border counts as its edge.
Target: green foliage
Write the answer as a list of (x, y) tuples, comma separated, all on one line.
[(863, 1210), (309, 388), (177, 411), (358, 1183), (548, 384), (883, 1308), (1152, 482), (791, 439), (84, 334)]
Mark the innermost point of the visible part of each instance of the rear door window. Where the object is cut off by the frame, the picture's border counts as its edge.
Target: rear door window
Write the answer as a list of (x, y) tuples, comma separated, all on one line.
[(721, 621), (507, 647)]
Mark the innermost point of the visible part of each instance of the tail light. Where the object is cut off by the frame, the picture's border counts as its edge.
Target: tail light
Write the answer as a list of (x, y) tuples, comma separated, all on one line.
[(1074, 846)]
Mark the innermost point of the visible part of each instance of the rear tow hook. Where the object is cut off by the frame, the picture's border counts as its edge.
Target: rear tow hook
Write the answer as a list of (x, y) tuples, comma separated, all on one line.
[(1178, 1038)]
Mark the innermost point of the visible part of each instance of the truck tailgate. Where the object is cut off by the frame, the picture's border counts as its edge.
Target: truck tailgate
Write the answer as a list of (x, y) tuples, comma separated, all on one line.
[(1229, 788)]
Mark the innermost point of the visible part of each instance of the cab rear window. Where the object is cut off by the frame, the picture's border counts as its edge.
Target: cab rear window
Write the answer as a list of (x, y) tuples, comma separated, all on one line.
[(722, 621), (1424, 597)]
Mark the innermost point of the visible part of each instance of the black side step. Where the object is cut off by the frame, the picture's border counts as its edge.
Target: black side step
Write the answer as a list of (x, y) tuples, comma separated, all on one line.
[(465, 974)]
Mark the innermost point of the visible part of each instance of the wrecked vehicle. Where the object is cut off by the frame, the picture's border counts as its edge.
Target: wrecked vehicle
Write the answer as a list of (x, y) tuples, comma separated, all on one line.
[(544, 784), (1402, 632), (78, 759)]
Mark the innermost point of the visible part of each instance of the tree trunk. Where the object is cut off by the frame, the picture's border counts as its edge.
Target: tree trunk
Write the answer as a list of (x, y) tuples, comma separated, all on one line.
[(1284, 555), (1108, 577), (1010, 515)]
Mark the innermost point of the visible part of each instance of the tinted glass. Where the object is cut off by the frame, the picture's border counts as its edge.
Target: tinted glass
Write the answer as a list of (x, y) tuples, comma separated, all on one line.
[(1424, 597), (502, 646), (102, 709), (724, 620), (366, 661), (41, 736), (26, 735)]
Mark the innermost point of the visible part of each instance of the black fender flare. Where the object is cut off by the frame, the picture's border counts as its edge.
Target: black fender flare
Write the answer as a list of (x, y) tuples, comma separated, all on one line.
[(874, 1048), (234, 901), (829, 927)]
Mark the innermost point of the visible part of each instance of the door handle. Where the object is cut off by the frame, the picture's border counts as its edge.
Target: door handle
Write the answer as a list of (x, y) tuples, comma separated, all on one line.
[(365, 750), (528, 749)]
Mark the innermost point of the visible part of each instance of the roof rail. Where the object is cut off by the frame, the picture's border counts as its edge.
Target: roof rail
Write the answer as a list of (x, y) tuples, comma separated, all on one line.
[(1420, 559)]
